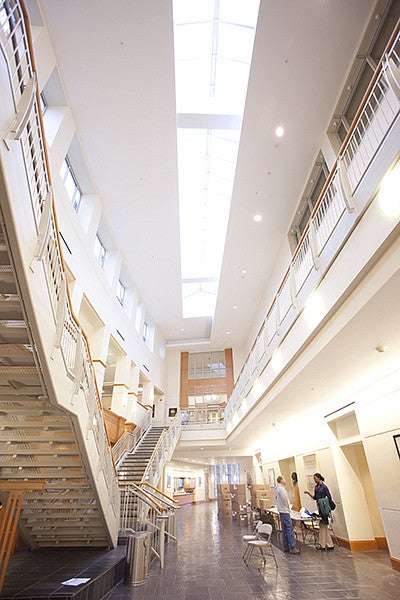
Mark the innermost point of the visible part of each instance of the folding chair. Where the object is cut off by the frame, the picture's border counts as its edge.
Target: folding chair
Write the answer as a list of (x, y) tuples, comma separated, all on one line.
[(262, 542), (251, 536)]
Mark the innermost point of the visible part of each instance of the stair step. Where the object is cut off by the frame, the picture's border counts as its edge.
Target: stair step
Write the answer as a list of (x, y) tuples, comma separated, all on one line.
[(8, 288), (10, 310), (14, 334)]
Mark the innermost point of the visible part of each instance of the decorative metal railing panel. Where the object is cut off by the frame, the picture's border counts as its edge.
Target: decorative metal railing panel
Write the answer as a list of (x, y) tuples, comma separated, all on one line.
[(163, 451), (129, 440)]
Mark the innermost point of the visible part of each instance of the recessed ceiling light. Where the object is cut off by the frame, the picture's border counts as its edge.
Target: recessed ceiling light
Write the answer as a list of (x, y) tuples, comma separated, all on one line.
[(381, 349), (182, 329), (279, 131), (257, 218), (244, 271), (228, 333), (234, 307)]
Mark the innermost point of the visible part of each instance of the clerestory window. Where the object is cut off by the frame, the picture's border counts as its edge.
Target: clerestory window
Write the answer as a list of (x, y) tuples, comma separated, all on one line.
[(365, 65), (312, 192), (71, 183), (100, 251), (121, 290)]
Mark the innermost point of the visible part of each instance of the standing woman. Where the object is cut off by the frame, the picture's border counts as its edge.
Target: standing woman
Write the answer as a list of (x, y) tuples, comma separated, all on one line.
[(323, 498)]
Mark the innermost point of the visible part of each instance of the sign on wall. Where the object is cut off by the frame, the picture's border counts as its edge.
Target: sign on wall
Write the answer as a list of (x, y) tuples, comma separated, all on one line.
[(310, 467)]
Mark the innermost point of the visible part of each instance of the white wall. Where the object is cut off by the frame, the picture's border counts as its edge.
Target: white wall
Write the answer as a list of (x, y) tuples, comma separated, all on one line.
[(79, 230), (177, 469)]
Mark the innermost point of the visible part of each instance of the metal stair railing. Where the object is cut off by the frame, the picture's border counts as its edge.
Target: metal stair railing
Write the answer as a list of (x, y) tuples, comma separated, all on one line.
[(130, 439), (141, 512), (169, 503), (163, 451)]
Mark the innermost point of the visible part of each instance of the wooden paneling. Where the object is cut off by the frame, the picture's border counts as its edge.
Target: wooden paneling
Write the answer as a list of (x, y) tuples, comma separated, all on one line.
[(184, 379), (115, 425), (229, 371)]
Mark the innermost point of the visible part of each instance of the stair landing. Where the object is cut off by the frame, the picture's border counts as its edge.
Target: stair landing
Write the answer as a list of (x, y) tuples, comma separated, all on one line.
[(39, 574)]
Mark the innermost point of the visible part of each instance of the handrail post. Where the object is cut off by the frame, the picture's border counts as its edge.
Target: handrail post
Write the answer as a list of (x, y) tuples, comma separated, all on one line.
[(78, 365), (44, 226), (313, 244), (162, 519), (292, 284), (23, 111), (344, 184), (391, 73), (61, 311)]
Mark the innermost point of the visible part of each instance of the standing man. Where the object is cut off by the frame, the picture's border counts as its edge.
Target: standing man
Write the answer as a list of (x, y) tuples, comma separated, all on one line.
[(283, 507)]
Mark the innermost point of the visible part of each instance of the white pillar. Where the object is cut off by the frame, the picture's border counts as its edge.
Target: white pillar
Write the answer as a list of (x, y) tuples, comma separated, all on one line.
[(119, 401)]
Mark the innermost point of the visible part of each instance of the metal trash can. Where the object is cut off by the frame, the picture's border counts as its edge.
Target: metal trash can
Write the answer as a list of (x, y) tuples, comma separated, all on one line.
[(135, 571)]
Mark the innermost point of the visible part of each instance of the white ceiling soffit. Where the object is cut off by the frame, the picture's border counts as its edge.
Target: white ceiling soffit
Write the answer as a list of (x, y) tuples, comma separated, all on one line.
[(117, 67)]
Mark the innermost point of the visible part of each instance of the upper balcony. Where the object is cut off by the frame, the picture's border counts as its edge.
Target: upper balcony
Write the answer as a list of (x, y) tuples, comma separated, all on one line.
[(344, 212)]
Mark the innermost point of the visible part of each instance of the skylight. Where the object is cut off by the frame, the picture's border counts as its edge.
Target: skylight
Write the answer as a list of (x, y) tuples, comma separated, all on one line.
[(213, 49)]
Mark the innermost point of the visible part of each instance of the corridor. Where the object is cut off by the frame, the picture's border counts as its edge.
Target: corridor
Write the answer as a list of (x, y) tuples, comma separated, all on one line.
[(207, 564)]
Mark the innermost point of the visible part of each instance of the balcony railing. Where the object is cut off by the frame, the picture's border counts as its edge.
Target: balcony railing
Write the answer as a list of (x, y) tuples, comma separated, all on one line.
[(198, 416), (334, 217)]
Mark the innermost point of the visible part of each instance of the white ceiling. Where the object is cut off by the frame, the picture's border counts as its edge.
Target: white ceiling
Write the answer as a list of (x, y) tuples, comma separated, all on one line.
[(117, 66)]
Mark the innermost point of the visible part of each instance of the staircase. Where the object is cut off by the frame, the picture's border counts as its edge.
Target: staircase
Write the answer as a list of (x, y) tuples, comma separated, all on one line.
[(52, 434), (133, 466), (37, 440)]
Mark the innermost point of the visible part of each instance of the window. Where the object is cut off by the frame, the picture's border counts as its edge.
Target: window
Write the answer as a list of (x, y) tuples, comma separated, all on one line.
[(9, 16), (100, 251), (145, 331), (43, 102), (70, 183), (121, 292), (312, 192), (4, 24), (206, 365), (226, 473), (368, 57), (206, 399)]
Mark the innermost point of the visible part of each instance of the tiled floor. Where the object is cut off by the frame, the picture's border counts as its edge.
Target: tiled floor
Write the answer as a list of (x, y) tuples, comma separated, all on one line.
[(40, 574), (207, 564)]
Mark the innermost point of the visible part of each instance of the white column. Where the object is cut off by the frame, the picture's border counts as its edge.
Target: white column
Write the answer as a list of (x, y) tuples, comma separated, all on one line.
[(119, 401)]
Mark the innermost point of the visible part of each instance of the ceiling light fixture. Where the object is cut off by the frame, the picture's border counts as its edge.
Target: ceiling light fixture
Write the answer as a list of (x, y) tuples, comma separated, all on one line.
[(257, 218), (244, 271), (279, 131), (234, 307)]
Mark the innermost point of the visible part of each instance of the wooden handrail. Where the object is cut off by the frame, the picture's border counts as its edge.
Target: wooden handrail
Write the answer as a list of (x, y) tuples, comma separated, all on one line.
[(158, 491), (148, 497), (10, 517)]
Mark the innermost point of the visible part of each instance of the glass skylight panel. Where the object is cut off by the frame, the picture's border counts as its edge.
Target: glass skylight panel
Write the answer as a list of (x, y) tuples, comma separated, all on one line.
[(199, 299), (213, 48)]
